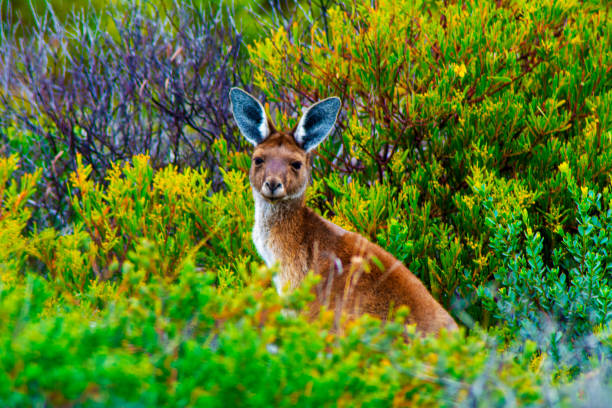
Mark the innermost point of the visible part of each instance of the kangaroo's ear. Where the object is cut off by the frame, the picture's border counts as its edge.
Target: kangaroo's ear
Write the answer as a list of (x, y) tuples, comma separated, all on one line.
[(316, 123), (249, 115)]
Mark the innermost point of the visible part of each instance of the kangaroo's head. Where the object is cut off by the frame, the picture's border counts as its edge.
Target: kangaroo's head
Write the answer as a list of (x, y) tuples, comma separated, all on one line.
[(281, 161)]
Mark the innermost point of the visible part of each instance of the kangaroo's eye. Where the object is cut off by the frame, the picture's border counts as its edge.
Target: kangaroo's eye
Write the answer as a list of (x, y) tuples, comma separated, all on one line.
[(296, 165), (258, 161)]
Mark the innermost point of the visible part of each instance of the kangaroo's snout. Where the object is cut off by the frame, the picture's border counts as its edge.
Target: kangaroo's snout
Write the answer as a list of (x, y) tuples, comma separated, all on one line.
[(273, 185)]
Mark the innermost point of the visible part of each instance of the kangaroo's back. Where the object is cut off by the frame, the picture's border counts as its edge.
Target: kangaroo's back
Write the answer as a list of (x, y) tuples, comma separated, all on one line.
[(360, 277), (357, 276)]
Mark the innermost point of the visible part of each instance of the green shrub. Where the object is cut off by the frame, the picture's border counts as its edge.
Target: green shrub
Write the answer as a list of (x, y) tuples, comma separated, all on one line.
[(14, 215), (168, 327), (558, 299), (186, 343)]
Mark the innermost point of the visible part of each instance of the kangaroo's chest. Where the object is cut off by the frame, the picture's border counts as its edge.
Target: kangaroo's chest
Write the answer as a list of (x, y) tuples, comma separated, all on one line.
[(274, 247), (261, 236)]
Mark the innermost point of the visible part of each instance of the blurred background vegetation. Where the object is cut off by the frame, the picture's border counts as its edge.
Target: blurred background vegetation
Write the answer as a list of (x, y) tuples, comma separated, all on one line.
[(247, 14), (24, 11)]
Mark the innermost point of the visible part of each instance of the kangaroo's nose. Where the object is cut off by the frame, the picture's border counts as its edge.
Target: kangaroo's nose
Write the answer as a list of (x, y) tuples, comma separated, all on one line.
[(273, 185)]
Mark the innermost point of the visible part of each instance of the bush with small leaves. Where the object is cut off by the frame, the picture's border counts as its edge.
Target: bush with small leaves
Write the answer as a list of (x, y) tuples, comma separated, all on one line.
[(115, 83), (557, 300)]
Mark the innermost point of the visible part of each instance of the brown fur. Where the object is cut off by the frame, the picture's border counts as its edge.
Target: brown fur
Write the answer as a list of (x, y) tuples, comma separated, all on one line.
[(301, 241)]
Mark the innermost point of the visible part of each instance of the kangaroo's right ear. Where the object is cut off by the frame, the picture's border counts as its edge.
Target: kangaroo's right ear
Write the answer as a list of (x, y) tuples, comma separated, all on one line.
[(249, 115), (316, 123)]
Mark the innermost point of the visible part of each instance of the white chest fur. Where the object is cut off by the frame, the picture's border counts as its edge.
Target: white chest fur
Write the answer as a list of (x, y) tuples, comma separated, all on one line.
[(277, 246), (261, 235), (264, 216)]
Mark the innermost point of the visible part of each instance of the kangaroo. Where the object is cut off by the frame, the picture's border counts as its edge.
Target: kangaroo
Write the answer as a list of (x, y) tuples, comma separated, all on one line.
[(357, 276)]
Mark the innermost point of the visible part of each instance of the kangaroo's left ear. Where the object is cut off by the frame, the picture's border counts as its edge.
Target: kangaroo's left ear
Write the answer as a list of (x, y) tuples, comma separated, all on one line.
[(249, 115), (316, 123)]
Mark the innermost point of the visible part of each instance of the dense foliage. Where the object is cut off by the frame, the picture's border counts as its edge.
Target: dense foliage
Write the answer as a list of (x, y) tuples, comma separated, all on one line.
[(140, 81), (160, 330), (474, 144)]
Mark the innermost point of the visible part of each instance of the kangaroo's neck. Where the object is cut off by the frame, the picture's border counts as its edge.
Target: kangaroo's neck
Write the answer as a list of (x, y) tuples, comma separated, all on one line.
[(278, 237), (272, 215)]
